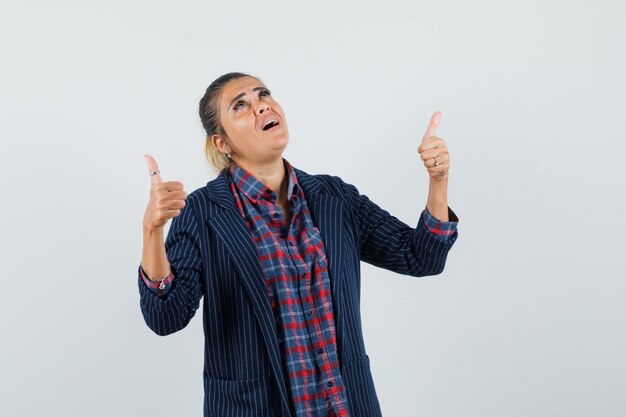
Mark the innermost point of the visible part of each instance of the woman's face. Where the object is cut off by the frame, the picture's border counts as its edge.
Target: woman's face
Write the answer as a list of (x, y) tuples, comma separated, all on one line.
[(253, 121)]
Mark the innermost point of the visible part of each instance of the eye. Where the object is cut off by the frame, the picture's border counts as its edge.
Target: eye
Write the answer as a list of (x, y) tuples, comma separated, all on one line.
[(265, 93), (238, 104)]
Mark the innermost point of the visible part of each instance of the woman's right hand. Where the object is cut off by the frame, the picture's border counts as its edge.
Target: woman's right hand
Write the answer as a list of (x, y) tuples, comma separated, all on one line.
[(166, 199)]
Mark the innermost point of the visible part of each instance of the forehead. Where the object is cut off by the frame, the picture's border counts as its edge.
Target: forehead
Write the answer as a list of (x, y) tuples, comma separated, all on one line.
[(235, 87)]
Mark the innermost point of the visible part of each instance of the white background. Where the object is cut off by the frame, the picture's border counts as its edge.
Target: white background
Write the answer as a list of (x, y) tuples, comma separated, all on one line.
[(528, 318)]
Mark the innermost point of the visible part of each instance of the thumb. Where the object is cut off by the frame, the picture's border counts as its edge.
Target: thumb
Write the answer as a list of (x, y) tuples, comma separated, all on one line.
[(433, 125), (153, 167)]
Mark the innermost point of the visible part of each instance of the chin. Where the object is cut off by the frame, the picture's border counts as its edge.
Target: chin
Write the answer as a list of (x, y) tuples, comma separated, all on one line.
[(282, 139)]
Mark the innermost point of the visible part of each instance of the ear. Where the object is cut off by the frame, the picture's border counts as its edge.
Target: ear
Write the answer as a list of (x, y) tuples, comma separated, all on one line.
[(220, 143)]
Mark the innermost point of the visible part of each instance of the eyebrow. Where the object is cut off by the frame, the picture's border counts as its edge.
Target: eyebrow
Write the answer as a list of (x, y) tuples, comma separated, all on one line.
[(243, 94)]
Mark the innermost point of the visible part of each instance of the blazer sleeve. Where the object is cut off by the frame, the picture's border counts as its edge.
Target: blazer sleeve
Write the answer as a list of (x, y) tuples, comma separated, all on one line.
[(171, 312), (387, 242)]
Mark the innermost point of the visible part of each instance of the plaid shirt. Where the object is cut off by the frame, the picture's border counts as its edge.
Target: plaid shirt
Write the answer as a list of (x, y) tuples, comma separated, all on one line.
[(298, 287)]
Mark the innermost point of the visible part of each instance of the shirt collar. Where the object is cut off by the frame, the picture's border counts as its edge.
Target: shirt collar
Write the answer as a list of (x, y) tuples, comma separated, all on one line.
[(254, 189)]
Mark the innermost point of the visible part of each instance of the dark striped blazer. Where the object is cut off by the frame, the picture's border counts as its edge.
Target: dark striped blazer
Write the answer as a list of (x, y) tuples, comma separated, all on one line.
[(212, 255)]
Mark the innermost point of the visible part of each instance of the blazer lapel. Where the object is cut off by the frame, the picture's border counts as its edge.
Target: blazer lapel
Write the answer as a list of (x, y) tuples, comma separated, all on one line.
[(231, 228)]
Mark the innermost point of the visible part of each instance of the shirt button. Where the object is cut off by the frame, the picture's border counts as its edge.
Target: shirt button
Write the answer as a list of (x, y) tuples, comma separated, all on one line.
[(330, 383), (275, 214), (310, 312), (320, 350)]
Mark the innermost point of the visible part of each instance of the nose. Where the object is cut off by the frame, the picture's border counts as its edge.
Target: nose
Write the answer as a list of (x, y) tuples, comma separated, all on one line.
[(261, 107)]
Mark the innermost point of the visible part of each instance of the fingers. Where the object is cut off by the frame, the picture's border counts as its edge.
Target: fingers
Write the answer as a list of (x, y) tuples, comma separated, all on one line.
[(153, 167), (432, 126), (441, 160), (168, 197), (177, 195), (433, 144), (165, 204), (440, 170), (169, 204), (433, 152), (169, 186)]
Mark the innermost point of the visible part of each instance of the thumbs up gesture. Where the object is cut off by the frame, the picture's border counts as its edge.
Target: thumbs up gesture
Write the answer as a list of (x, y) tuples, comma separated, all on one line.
[(434, 151), (166, 198)]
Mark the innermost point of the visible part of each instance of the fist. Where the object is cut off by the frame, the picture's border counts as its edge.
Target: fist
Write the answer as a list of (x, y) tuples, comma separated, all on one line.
[(434, 152), (166, 198)]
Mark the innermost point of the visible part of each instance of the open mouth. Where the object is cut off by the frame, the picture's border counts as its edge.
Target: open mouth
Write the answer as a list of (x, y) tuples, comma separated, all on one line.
[(270, 124)]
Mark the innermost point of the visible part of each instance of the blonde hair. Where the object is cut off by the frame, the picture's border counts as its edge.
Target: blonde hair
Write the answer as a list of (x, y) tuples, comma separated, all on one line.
[(218, 160)]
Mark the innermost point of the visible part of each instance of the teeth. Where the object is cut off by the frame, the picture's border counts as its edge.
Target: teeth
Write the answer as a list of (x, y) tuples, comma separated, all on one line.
[(269, 122)]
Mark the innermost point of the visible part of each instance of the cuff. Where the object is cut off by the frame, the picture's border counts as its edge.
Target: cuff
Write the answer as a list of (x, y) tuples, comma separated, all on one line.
[(441, 229), (160, 288)]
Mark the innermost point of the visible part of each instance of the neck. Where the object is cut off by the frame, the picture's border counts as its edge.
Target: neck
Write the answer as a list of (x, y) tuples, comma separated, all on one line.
[(273, 174)]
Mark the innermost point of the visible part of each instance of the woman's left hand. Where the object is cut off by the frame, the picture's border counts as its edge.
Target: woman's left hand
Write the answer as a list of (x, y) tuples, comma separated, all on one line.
[(434, 151)]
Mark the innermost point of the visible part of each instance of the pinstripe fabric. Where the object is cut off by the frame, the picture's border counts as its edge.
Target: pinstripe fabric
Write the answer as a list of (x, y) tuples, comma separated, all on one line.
[(213, 255)]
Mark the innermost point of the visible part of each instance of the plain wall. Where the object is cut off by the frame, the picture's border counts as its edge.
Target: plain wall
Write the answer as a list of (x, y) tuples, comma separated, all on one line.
[(528, 317)]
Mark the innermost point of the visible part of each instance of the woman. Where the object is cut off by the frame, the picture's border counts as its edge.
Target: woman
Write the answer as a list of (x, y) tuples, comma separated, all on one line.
[(276, 252)]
